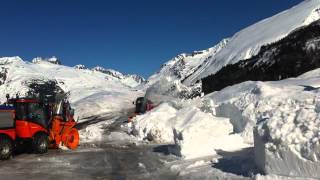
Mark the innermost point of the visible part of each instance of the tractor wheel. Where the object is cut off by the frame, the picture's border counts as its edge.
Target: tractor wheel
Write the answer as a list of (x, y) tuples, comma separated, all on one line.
[(40, 143), (6, 147)]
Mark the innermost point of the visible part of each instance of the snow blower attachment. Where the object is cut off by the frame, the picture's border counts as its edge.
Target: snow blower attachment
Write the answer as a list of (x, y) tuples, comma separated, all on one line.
[(142, 106), (37, 123), (63, 131)]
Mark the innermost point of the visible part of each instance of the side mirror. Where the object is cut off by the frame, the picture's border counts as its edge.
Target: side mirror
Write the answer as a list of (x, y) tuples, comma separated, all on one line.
[(133, 102)]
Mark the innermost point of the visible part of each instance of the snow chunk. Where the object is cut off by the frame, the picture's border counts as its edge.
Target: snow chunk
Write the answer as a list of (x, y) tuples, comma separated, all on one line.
[(156, 124), (188, 127), (204, 131), (91, 133)]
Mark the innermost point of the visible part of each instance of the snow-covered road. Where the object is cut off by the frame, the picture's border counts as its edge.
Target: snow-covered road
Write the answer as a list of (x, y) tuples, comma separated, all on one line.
[(106, 161), (96, 160), (119, 157)]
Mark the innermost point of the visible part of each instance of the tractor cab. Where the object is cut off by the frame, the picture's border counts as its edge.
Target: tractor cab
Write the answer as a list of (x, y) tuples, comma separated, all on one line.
[(31, 110), (31, 117)]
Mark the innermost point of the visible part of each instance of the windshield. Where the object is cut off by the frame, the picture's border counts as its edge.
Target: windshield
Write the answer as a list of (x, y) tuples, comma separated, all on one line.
[(32, 112), (21, 111)]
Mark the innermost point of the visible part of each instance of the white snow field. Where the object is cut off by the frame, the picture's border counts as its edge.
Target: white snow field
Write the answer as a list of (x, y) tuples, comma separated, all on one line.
[(91, 92)]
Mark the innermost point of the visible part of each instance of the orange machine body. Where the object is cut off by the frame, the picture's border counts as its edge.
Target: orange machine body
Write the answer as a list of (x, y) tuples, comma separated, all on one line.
[(64, 133), (26, 129)]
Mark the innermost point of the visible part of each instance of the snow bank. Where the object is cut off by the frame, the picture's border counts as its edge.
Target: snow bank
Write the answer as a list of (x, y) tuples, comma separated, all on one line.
[(188, 127), (207, 133), (156, 124), (287, 116), (104, 102), (98, 133), (89, 134), (94, 133)]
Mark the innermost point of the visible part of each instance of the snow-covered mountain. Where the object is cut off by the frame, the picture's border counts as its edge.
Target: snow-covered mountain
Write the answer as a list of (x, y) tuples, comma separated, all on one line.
[(172, 79), (190, 69), (247, 42), (53, 60), (290, 57), (184, 65), (132, 80), (91, 92)]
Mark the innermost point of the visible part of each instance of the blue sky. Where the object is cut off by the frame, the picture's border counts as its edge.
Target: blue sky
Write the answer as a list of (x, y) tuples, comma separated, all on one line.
[(132, 36)]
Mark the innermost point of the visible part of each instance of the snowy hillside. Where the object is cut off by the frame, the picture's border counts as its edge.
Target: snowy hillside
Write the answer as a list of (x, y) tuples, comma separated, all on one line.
[(292, 56), (131, 80), (247, 43), (184, 65), (172, 79), (92, 92)]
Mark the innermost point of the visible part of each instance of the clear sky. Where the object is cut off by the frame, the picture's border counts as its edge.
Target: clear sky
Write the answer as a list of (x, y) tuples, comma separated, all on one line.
[(132, 36)]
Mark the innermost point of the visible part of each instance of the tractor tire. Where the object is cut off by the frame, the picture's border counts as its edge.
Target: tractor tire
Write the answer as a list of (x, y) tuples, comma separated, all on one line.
[(40, 143), (6, 147)]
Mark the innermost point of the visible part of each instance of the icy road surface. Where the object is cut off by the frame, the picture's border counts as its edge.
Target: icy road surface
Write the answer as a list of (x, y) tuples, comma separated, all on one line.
[(102, 160)]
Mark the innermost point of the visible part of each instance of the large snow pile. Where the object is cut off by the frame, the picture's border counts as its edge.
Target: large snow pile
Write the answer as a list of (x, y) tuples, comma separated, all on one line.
[(195, 128), (287, 114), (188, 127), (99, 132), (91, 92), (247, 43), (155, 125)]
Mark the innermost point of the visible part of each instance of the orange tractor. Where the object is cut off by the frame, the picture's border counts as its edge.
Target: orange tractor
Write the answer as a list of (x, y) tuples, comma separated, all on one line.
[(36, 124)]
